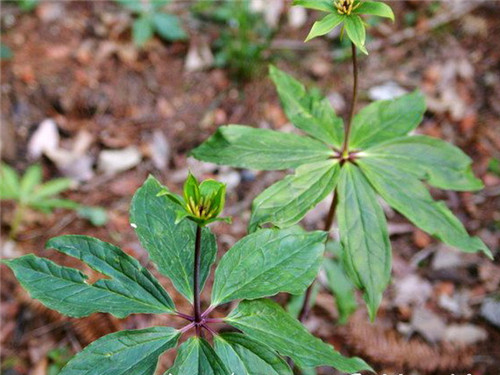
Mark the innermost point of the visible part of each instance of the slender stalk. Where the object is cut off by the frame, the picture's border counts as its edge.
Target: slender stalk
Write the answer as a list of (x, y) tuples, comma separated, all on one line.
[(187, 328), (196, 281), (306, 305), (344, 155), (184, 316), (347, 128), (16, 221)]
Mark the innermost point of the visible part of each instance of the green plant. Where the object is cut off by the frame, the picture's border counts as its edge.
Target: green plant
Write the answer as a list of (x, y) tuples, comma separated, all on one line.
[(367, 157), (174, 231), (151, 19), (244, 38), (58, 357), (27, 5), (5, 52), (28, 192)]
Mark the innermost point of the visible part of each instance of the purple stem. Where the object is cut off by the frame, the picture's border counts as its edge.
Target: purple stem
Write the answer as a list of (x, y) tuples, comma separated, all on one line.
[(184, 316), (187, 328), (196, 280)]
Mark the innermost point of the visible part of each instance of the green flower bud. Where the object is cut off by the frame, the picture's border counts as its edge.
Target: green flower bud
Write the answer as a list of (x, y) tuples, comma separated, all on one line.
[(346, 6), (201, 202)]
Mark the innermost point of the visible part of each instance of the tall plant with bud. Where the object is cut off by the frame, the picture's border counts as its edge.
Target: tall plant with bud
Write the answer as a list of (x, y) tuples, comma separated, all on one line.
[(174, 231), (368, 156)]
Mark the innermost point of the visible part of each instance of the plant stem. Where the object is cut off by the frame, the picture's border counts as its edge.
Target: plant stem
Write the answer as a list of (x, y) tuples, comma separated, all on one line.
[(16, 221), (196, 281), (304, 311), (347, 128), (344, 154), (184, 316)]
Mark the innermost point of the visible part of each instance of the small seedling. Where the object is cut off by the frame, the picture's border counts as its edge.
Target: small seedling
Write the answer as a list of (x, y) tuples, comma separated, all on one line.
[(150, 19), (244, 37), (29, 192), (174, 232)]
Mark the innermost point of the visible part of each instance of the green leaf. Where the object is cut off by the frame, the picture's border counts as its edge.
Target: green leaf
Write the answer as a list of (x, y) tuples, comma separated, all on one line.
[(158, 4), (191, 189), (66, 290), (9, 182), (196, 357), (266, 321), (267, 262), (123, 353), (51, 188), (170, 245), (375, 8), (31, 178), (47, 205), (323, 5), (133, 5), (245, 356), (128, 277), (287, 201), (356, 31), (168, 27), (27, 5), (296, 302), (246, 147), (5, 52), (142, 30), (97, 216), (325, 25), (340, 285), (408, 195), (439, 163), (387, 119), (306, 111), (364, 236)]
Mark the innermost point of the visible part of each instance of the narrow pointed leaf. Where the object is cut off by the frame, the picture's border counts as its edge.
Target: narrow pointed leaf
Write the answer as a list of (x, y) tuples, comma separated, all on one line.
[(66, 290), (341, 286), (9, 182), (49, 204), (245, 356), (127, 275), (123, 353), (296, 302), (439, 163), (133, 5), (325, 25), (51, 188), (387, 119), (196, 357), (323, 5), (168, 27), (356, 31), (287, 201), (267, 262), (310, 113), (375, 8), (246, 147), (408, 195), (364, 236), (142, 30), (31, 178), (169, 244), (266, 321)]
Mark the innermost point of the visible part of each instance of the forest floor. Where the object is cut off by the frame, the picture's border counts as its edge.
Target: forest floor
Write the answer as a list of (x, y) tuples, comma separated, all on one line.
[(74, 64)]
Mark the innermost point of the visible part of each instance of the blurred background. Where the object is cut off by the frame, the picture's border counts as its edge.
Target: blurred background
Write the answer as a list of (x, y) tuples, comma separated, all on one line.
[(96, 95)]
